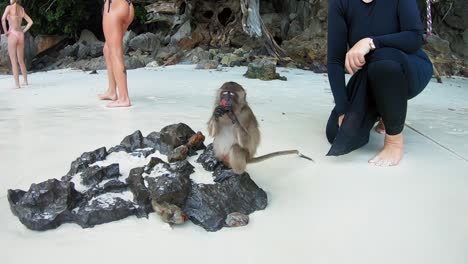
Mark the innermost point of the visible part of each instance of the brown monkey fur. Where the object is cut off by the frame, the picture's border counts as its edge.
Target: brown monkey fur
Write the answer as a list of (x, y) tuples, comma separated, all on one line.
[(236, 133)]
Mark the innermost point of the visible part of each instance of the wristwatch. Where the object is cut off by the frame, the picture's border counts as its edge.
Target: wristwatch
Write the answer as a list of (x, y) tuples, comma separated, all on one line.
[(371, 44)]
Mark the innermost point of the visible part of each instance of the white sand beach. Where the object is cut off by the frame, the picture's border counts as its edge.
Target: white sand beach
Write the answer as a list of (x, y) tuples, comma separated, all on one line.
[(334, 211)]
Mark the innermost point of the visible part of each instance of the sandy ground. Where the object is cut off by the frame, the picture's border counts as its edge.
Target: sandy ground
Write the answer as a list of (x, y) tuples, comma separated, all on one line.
[(338, 210)]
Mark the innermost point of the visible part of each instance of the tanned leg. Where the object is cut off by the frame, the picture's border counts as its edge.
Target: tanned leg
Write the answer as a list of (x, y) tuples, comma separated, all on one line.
[(12, 50), (111, 93), (20, 54), (117, 16)]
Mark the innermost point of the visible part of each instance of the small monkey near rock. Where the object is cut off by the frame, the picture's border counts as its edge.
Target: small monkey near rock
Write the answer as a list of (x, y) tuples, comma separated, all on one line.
[(235, 130)]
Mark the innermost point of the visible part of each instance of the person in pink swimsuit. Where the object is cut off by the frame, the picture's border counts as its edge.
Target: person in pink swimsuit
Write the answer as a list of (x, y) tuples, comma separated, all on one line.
[(15, 14)]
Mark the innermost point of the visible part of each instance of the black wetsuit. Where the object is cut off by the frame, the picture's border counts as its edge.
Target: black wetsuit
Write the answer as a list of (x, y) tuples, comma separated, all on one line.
[(402, 69)]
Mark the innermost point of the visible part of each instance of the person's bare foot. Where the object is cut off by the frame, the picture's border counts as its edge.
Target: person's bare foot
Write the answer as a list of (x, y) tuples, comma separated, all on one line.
[(119, 103), (380, 127), (392, 152), (107, 96)]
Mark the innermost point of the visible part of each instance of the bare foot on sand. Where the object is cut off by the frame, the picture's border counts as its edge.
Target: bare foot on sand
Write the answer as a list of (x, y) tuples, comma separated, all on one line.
[(119, 103), (392, 152), (107, 96), (380, 127)]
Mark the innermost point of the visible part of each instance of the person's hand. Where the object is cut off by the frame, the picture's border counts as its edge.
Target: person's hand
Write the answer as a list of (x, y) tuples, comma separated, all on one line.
[(355, 56), (340, 120)]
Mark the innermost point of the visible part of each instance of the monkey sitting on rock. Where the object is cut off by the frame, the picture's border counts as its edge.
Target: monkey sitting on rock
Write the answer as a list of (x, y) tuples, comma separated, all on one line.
[(235, 130)]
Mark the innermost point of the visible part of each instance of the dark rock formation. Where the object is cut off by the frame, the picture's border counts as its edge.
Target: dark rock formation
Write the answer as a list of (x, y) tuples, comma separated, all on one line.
[(209, 205), (92, 195), (148, 42), (176, 135), (207, 65), (141, 195), (102, 209), (263, 69), (45, 206), (133, 141), (208, 160), (86, 159), (96, 174), (170, 183)]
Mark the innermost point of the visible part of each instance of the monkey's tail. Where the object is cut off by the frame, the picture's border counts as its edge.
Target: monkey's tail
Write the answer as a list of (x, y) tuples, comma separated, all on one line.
[(277, 154)]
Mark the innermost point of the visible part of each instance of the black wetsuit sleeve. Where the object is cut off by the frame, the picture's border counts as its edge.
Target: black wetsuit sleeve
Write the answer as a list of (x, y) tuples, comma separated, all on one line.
[(410, 39), (337, 48)]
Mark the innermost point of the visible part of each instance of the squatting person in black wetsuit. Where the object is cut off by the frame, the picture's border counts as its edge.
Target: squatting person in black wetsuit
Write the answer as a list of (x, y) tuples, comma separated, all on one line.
[(117, 16), (393, 29)]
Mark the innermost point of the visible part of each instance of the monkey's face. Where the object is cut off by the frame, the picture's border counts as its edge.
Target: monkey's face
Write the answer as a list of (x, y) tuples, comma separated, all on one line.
[(228, 99), (231, 96)]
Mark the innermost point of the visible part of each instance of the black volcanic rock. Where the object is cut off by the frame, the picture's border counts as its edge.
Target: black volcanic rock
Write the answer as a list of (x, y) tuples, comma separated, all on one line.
[(45, 206), (170, 183), (153, 140), (117, 149), (96, 174), (133, 141), (86, 159), (143, 152), (95, 195), (208, 205), (176, 135), (208, 160), (113, 185), (102, 209), (141, 194)]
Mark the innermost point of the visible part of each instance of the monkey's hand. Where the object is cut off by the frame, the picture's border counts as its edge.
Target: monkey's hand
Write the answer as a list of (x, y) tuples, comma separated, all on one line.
[(233, 117), (219, 112)]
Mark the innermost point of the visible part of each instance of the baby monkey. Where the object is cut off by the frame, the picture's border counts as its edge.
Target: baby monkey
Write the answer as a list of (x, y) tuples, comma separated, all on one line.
[(235, 130)]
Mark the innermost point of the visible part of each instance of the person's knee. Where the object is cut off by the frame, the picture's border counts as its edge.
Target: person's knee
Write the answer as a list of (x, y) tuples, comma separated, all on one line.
[(384, 69), (116, 52)]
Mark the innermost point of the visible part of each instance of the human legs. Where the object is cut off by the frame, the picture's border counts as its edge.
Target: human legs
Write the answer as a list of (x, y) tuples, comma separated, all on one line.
[(389, 88), (12, 50), (111, 93), (115, 23), (20, 54)]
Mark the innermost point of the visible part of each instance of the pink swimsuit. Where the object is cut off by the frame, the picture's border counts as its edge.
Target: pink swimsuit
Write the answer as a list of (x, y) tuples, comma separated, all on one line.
[(19, 34)]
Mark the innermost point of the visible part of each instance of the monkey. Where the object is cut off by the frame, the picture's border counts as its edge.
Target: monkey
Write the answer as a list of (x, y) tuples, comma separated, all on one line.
[(235, 130)]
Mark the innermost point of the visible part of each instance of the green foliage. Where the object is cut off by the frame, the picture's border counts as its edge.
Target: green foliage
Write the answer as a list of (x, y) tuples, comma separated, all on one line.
[(140, 14)]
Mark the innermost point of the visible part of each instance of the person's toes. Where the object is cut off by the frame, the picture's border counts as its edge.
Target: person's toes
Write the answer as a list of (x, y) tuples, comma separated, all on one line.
[(374, 160), (383, 163)]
